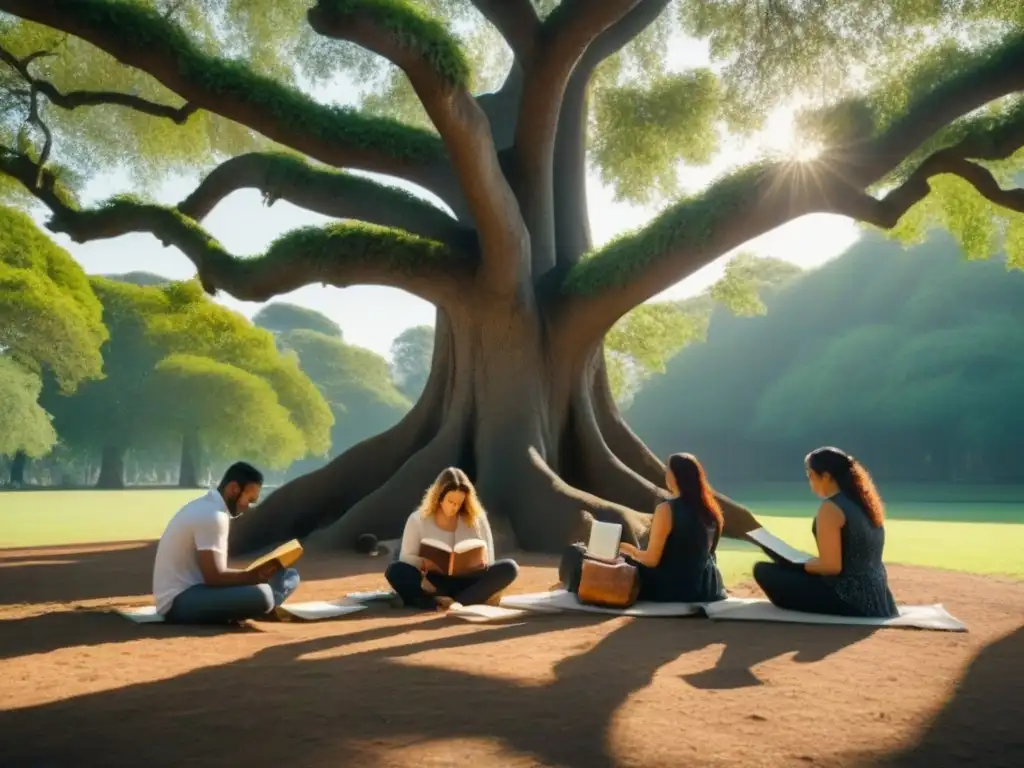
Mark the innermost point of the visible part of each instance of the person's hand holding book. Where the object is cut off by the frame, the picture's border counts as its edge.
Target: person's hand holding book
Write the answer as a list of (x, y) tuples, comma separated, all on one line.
[(267, 570), (428, 566)]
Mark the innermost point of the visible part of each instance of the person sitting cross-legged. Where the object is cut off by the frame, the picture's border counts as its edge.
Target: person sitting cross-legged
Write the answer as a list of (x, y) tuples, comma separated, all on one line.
[(192, 583), (848, 577), (449, 514)]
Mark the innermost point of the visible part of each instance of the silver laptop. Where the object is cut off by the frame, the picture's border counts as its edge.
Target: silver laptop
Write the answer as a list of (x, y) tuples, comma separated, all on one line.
[(604, 540)]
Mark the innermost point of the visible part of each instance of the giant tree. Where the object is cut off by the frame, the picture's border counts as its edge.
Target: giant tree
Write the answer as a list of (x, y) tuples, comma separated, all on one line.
[(518, 394)]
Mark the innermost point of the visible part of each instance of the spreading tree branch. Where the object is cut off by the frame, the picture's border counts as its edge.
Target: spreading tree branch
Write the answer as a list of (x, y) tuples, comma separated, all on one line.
[(999, 143), (333, 193), (439, 73), (758, 199), (341, 137), (565, 36), (572, 215), (517, 22), (75, 99), (339, 254)]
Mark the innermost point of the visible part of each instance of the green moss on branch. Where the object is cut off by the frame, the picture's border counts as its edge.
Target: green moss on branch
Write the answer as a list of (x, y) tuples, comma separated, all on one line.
[(145, 30), (944, 76), (412, 26), (689, 224), (284, 169)]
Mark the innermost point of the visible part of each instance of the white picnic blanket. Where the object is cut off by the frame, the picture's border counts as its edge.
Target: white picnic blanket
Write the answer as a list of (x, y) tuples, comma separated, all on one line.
[(561, 600), (934, 617)]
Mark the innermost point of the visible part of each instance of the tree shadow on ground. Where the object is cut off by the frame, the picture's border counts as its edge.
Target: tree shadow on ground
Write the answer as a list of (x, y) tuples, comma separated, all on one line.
[(735, 666), (74, 629), (55, 574), (987, 705), (105, 571), (324, 702)]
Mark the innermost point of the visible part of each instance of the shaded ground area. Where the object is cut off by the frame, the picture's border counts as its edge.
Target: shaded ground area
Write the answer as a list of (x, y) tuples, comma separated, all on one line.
[(390, 688)]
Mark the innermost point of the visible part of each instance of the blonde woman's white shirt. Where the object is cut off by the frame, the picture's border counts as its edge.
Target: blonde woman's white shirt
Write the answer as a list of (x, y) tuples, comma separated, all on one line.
[(418, 528)]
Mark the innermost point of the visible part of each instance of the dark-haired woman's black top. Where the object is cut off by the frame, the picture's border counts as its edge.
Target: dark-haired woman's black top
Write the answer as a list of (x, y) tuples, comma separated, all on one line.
[(688, 571), (863, 583)]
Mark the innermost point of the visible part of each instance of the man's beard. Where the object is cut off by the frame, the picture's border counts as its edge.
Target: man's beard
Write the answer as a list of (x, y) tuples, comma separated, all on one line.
[(232, 505)]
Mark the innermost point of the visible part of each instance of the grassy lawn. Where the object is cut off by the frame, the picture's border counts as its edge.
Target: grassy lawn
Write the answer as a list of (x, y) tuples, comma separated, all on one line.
[(983, 536)]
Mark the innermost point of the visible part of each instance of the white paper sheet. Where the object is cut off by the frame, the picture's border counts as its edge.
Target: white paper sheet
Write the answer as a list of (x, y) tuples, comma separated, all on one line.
[(779, 547), (145, 615), (315, 610), (484, 613), (318, 610)]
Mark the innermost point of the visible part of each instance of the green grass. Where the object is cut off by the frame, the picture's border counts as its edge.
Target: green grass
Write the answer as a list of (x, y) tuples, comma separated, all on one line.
[(984, 536)]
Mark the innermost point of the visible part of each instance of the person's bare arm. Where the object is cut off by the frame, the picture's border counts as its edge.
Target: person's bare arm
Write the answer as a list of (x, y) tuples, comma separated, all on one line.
[(661, 527), (211, 540), (830, 522), (217, 574)]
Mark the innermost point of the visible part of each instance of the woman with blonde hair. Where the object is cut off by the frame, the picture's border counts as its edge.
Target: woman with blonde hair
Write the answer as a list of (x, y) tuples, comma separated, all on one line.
[(449, 514)]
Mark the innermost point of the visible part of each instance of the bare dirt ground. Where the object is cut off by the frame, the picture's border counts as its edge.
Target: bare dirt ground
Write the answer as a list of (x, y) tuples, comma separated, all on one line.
[(388, 688)]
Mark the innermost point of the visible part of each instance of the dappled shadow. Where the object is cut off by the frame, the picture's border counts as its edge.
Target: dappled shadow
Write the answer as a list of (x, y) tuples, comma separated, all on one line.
[(982, 723), (735, 666), (104, 571), (322, 700), (54, 574), (74, 629)]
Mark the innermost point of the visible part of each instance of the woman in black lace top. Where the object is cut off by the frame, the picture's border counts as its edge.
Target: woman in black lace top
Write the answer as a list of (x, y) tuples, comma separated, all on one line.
[(847, 578)]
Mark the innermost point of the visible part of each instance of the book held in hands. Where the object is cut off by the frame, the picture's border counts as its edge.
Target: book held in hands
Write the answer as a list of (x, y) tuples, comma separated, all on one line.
[(287, 555), (466, 556), (776, 547)]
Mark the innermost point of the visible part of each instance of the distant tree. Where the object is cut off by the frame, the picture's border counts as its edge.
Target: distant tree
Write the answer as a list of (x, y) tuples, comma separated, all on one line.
[(354, 381), (49, 318), (223, 412), (50, 323), (171, 351), (282, 317), (411, 355), (640, 344), (139, 278), (909, 358), (26, 430)]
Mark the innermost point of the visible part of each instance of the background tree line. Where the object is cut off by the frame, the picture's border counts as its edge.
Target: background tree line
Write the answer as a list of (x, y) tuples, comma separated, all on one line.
[(907, 357), (912, 359), (133, 378)]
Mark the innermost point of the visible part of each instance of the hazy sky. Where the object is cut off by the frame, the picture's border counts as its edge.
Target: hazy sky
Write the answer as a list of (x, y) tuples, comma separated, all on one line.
[(372, 316)]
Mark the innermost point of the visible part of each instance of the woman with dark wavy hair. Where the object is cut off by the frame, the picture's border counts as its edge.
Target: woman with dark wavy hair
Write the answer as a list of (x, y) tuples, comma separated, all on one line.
[(678, 564), (847, 578)]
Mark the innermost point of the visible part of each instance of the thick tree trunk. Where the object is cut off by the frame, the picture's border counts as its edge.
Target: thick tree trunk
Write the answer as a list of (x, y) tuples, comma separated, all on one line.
[(188, 474), (18, 465), (529, 420), (111, 468)]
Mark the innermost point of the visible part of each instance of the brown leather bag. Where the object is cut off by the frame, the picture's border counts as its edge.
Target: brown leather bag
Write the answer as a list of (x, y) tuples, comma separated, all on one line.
[(612, 585)]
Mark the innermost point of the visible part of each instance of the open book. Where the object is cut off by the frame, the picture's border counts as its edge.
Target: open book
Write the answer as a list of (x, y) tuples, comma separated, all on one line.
[(776, 547), (604, 540), (287, 555), (465, 557)]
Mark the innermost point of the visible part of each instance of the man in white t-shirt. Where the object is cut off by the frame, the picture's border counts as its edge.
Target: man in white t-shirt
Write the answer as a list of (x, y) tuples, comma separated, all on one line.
[(192, 583)]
